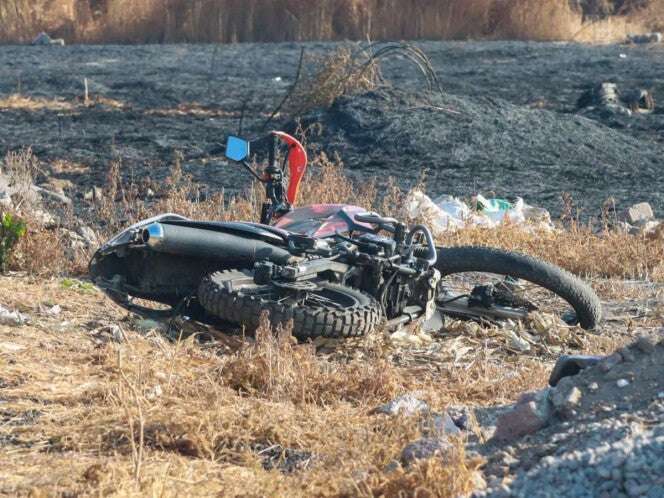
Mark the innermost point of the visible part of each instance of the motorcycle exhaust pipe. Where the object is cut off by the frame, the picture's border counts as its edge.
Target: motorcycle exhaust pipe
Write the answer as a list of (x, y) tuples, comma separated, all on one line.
[(199, 243)]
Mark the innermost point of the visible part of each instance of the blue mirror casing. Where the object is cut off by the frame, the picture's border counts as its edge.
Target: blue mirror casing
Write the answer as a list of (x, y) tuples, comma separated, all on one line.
[(237, 149)]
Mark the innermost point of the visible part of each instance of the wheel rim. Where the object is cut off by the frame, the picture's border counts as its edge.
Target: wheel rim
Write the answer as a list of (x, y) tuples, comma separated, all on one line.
[(528, 297)]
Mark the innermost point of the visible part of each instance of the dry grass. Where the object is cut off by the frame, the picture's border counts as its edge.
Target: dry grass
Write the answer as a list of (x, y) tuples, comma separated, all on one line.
[(145, 415), (232, 21), (592, 251), (133, 414)]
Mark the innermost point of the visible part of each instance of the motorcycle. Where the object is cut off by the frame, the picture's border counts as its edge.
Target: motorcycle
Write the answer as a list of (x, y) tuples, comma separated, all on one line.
[(330, 270)]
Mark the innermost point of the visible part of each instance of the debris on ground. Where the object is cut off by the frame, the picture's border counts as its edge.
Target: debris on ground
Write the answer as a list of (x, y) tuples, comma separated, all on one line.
[(408, 405), (15, 318), (450, 213), (606, 97), (43, 39), (645, 38)]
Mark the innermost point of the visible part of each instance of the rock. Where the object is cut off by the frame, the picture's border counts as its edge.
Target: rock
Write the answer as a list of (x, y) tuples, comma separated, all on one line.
[(609, 362), (89, 235), (639, 213), (525, 418), (54, 196), (423, 448), (627, 355), (407, 405), (10, 347), (622, 383), (565, 399), (593, 387), (644, 344), (45, 219), (439, 425), (570, 365), (461, 416)]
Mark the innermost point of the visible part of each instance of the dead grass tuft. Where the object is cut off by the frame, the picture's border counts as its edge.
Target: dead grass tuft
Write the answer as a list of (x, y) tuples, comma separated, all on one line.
[(331, 76), (275, 366)]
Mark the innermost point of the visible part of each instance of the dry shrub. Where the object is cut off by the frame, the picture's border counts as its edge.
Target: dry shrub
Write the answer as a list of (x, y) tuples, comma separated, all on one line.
[(453, 475), (341, 73), (277, 368), (579, 249), (230, 21), (536, 20)]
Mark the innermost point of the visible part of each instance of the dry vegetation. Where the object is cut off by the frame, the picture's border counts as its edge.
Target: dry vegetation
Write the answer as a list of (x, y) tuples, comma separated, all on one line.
[(242, 20), (127, 412), (95, 402)]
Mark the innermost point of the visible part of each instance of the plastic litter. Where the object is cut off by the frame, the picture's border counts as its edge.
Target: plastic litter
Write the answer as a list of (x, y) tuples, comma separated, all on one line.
[(450, 213), (12, 317), (42, 39)]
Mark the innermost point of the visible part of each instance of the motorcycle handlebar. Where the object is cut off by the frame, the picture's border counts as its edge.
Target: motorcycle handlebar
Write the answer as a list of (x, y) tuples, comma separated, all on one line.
[(432, 254)]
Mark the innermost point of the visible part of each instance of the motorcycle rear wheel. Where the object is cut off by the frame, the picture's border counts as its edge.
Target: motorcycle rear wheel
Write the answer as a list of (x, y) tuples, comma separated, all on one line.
[(584, 301), (329, 310)]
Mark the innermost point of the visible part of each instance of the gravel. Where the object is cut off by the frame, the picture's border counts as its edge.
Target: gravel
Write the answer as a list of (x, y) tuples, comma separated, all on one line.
[(610, 445)]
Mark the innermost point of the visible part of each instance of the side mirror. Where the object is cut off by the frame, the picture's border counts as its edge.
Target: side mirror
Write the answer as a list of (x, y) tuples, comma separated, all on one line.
[(237, 149)]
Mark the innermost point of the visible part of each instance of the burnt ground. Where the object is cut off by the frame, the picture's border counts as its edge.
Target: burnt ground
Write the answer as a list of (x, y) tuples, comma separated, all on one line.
[(505, 123)]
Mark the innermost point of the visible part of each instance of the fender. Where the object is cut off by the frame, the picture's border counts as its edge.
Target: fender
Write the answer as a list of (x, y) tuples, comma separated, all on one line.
[(297, 164)]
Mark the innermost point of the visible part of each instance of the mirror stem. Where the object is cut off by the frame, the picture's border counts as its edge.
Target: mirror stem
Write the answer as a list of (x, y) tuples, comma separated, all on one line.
[(251, 170)]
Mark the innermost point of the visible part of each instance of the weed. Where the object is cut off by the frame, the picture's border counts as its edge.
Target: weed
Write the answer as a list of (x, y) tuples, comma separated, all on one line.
[(11, 230)]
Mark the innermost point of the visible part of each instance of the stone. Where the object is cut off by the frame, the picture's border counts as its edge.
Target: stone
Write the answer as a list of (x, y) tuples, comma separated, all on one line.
[(569, 365), (622, 383), (89, 235), (644, 344), (639, 213), (525, 418), (593, 387), (564, 399), (439, 425), (408, 405), (627, 355), (423, 448), (609, 362)]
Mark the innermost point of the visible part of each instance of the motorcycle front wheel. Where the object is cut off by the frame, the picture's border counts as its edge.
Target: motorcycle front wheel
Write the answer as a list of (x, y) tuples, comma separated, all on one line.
[(321, 309), (469, 271)]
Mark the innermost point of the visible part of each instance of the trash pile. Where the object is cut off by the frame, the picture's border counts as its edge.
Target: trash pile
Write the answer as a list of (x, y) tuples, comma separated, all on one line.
[(451, 213)]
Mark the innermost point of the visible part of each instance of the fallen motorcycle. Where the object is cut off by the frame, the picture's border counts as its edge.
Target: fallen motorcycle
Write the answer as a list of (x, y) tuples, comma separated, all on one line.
[(330, 270)]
